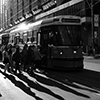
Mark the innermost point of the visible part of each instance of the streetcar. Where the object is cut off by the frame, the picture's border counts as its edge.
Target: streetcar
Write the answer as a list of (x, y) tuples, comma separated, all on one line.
[(60, 41)]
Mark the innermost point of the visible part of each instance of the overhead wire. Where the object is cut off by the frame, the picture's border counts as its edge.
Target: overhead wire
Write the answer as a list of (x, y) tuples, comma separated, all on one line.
[(75, 14), (88, 7)]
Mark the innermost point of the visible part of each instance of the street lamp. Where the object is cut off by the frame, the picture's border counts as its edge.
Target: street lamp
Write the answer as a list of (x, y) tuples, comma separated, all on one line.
[(92, 24)]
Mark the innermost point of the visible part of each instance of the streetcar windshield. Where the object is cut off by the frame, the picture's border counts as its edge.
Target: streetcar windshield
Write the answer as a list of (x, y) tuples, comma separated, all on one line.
[(64, 35), (70, 35)]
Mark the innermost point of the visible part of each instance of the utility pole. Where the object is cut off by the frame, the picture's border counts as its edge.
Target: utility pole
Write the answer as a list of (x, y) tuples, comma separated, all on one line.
[(92, 26)]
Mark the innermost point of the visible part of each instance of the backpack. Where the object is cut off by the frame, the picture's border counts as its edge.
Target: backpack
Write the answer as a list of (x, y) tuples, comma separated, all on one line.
[(16, 57)]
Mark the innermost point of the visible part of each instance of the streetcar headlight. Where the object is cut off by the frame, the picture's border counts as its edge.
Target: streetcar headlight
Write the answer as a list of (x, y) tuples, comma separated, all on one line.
[(74, 51), (61, 53)]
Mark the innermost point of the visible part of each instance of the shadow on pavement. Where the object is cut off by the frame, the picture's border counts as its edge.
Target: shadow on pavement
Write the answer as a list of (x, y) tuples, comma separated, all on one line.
[(59, 79), (49, 82), (53, 82), (0, 95), (87, 78), (39, 87), (31, 84), (22, 86)]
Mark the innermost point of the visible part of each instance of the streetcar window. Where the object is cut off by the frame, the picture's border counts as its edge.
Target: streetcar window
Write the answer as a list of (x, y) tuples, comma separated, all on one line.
[(55, 38), (51, 35), (71, 34), (59, 35)]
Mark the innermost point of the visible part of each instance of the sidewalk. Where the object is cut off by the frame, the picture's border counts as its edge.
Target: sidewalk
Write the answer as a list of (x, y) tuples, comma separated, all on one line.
[(97, 56)]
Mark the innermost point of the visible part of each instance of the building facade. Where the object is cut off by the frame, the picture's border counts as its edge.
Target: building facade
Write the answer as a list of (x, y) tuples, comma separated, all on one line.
[(19, 11), (0, 13)]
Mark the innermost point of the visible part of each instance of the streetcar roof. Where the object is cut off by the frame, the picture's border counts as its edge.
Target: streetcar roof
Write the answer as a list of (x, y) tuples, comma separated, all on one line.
[(60, 19), (57, 20)]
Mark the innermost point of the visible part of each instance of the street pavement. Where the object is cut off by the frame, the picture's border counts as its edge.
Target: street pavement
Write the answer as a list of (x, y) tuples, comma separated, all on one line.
[(92, 63), (53, 85)]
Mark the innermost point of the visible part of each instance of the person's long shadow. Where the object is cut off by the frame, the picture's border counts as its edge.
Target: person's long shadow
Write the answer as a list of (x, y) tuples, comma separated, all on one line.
[(59, 84), (2, 65), (22, 86), (50, 83), (39, 87), (31, 84), (0, 95), (78, 77)]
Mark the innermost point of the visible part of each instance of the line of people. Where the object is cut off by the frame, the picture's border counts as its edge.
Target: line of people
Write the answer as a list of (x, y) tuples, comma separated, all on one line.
[(17, 60)]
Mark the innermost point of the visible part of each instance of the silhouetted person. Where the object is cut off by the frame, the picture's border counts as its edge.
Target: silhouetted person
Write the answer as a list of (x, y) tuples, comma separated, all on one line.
[(24, 54), (6, 59), (37, 57), (17, 59), (0, 55)]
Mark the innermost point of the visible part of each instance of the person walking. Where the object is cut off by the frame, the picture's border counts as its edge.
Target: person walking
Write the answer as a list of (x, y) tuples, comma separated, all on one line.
[(37, 59), (30, 59), (0, 55), (10, 58), (24, 53), (17, 59), (6, 59)]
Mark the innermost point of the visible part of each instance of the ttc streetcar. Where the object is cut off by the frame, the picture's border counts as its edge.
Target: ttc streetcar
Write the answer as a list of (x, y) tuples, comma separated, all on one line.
[(59, 39)]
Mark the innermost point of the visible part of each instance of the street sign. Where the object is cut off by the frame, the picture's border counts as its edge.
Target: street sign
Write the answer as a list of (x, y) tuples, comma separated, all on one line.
[(96, 20)]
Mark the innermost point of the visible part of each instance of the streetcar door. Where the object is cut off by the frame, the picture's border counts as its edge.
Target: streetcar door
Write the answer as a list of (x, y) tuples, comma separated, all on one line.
[(43, 42)]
